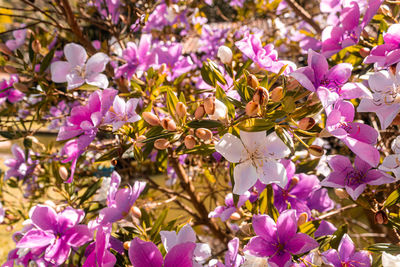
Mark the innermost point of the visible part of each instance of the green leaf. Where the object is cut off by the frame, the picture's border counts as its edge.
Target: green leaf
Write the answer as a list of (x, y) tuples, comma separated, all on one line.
[(285, 137), (90, 191), (46, 61), (172, 101), (157, 224), (255, 125), (209, 124), (206, 75), (310, 227), (338, 235), (241, 70), (200, 150), (387, 247), (393, 198), (221, 95)]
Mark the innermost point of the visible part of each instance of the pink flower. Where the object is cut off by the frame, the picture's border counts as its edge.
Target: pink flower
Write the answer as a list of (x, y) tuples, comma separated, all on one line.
[(20, 36), (122, 112), (76, 71)]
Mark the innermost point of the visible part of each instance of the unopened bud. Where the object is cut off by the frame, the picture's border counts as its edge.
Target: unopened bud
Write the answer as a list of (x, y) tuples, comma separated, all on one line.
[(392, 69), (63, 172), (252, 81), (36, 46), (161, 144), (316, 151), (303, 217), (364, 51), (150, 118), (276, 94), (204, 134), (306, 123), (292, 84), (225, 54), (5, 50), (313, 99), (252, 109), (235, 216), (168, 124), (20, 87), (10, 69), (181, 110), (341, 193), (190, 141), (209, 105), (139, 141), (324, 133), (261, 96), (381, 217), (127, 245), (135, 211), (200, 112), (162, 68), (293, 183)]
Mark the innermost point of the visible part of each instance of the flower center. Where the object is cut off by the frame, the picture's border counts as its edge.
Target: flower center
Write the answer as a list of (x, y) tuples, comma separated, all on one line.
[(354, 177), (80, 70), (332, 85)]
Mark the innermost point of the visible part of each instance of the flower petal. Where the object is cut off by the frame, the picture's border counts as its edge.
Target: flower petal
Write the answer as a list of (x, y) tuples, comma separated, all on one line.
[(35, 238), (59, 71), (245, 176), (97, 63), (75, 54), (301, 243), (44, 217), (180, 256), (231, 148), (286, 226), (144, 254)]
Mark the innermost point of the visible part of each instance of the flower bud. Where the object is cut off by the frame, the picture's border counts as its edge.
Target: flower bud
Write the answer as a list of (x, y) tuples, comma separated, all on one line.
[(150, 118), (181, 110), (204, 134), (168, 124), (276, 94), (313, 99), (63, 172), (20, 87), (252, 109), (127, 245), (209, 105), (306, 123), (200, 112), (5, 50), (364, 51), (316, 151), (225, 54), (220, 111), (252, 81), (161, 144), (235, 216), (139, 141), (381, 217), (261, 96), (341, 193), (10, 69), (324, 133), (292, 84), (162, 68), (303, 217), (36, 46), (190, 141), (135, 211)]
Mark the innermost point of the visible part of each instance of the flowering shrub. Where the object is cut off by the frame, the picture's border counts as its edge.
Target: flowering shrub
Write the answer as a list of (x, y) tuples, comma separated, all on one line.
[(201, 133)]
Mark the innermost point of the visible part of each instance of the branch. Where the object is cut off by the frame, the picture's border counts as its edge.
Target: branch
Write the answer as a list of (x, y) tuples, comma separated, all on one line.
[(299, 10)]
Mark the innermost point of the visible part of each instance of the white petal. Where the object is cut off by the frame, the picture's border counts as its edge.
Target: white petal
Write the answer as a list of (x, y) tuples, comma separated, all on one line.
[(231, 148), (59, 71), (119, 105), (169, 239), (99, 80), (245, 176), (202, 252), (75, 54), (381, 81), (254, 140), (273, 172), (97, 63), (186, 234), (275, 147)]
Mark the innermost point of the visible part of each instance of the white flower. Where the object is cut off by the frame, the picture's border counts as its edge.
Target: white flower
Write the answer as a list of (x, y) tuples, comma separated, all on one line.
[(186, 234), (392, 162), (221, 111), (390, 260), (256, 156), (225, 54)]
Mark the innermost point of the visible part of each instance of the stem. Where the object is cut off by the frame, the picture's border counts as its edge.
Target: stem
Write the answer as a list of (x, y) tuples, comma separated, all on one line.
[(188, 186), (299, 10)]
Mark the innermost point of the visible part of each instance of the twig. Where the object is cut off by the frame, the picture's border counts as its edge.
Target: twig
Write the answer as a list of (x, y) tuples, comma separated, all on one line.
[(299, 10), (329, 214)]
